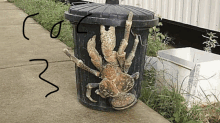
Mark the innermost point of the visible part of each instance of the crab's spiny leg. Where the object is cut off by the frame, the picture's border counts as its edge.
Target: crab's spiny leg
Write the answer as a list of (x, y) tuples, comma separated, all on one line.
[(135, 75), (128, 61), (95, 57), (99, 93), (108, 41), (89, 89), (128, 26), (80, 63), (124, 42), (121, 54)]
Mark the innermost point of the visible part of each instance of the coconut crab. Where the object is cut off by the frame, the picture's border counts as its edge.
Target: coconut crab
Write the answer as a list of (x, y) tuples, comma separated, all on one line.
[(116, 83)]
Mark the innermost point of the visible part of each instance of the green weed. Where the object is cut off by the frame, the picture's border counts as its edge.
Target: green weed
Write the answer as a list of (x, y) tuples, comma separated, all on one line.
[(170, 103), (50, 13), (210, 42), (157, 41)]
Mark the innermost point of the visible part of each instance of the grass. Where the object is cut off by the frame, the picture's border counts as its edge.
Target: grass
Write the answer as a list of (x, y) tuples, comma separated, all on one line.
[(157, 41), (169, 104), (168, 101), (50, 13)]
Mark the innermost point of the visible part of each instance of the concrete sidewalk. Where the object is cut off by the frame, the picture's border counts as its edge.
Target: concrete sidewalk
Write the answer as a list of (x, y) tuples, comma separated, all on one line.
[(22, 93)]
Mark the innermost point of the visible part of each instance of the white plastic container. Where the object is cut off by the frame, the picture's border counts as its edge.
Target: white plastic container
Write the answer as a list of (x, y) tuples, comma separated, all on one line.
[(194, 73)]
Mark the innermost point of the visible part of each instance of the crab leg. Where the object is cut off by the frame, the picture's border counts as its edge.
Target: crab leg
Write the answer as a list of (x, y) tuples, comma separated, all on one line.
[(89, 89), (108, 40), (135, 75), (95, 57), (121, 54), (128, 61), (99, 93), (80, 63)]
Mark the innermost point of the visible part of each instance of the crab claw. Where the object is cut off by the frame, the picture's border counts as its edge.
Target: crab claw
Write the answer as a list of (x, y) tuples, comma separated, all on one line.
[(123, 101)]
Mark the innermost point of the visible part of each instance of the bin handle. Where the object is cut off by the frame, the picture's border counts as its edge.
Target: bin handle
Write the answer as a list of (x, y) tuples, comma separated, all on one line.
[(139, 37), (79, 2)]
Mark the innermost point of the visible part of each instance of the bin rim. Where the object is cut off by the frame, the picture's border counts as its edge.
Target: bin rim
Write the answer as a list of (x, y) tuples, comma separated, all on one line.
[(75, 19), (111, 14)]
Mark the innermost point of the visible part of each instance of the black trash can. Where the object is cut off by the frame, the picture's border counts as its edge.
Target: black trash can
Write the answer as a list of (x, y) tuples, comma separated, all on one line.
[(109, 14)]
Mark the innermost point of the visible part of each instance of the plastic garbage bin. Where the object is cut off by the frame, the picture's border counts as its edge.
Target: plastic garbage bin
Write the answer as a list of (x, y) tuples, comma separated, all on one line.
[(109, 14)]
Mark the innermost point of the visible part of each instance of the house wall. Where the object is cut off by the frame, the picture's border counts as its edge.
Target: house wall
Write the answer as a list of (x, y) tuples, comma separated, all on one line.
[(200, 13)]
